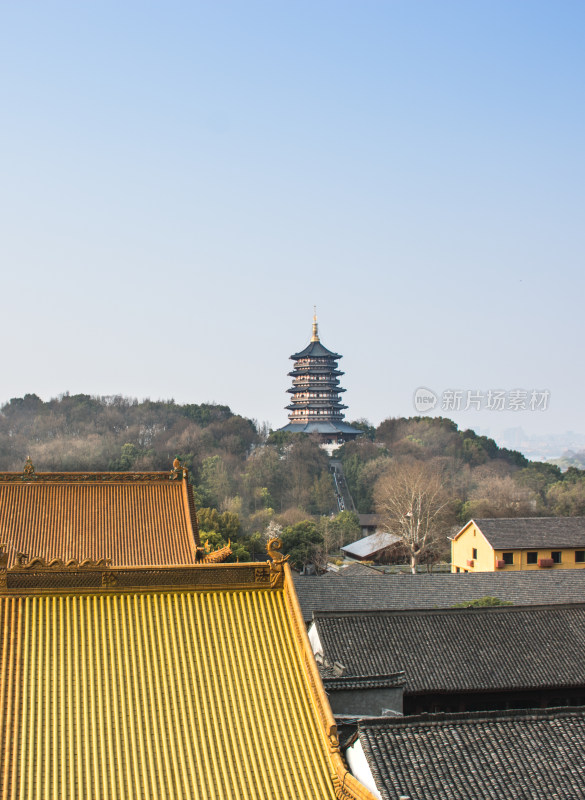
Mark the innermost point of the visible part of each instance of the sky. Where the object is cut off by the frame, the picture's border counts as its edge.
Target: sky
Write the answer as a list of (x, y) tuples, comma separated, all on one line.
[(181, 182)]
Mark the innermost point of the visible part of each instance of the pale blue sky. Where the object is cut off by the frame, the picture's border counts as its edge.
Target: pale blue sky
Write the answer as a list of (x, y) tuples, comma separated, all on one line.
[(180, 182)]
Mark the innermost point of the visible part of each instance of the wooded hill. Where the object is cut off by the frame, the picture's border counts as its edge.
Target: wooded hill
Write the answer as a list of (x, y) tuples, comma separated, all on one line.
[(246, 478)]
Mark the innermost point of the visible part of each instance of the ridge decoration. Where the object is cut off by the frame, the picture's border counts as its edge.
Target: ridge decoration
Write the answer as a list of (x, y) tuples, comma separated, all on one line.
[(29, 469), (23, 562), (278, 561)]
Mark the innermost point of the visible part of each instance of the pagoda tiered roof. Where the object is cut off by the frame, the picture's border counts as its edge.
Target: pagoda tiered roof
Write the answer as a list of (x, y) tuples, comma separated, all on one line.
[(316, 350), (315, 405)]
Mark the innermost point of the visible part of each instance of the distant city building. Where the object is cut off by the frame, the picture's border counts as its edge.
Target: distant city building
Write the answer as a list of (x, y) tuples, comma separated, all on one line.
[(315, 405)]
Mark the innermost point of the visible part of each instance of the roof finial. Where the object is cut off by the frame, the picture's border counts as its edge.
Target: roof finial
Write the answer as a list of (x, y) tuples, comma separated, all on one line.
[(315, 336)]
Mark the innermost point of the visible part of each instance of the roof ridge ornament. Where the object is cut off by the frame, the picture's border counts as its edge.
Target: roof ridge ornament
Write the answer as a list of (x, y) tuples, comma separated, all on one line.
[(278, 561), (315, 336), (178, 470), (3, 566), (29, 469)]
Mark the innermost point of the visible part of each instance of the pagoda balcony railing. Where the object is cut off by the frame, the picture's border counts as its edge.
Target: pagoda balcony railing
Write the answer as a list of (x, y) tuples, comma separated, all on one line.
[(305, 420), (313, 398), (315, 370), (316, 404), (311, 362), (316, 386), (303, 412)]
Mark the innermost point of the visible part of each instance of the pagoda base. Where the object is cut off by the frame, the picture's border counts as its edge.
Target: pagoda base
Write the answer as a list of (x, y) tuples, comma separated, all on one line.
[(329, 434)]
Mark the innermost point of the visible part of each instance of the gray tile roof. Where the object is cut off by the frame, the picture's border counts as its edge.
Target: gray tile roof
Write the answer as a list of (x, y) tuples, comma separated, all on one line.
[(334, 683), (334, 592), (461, 650), (370, 545), (316, 350), (513, 755), (357, 568), (533, 532)]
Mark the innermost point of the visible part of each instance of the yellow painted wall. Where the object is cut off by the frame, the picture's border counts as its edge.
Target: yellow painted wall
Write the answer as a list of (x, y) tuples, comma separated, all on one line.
[(462, 549), (521, 562), (471, 537)]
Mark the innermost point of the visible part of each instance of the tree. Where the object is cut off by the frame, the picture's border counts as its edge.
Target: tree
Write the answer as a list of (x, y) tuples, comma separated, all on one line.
[(566, 498), (414, 504), (322, 494), (301, 542), (487, 601), (365, 426), (339, 531), (499, 496)]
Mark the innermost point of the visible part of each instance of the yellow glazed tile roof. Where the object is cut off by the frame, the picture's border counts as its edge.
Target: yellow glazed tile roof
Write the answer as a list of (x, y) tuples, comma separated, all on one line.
[(132, 519), (186, 693)]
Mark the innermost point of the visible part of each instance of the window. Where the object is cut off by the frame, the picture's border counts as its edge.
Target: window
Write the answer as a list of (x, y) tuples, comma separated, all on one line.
[(474, 553), (579, 556), (508, 558), (556, 556), (532, 558)]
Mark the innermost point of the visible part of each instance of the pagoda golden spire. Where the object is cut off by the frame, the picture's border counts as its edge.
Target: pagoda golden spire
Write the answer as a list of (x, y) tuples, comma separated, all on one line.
[(315, 336)]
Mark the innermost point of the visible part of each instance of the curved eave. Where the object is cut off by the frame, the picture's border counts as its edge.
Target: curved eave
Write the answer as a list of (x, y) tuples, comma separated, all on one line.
[(321, 426), (316, 350)]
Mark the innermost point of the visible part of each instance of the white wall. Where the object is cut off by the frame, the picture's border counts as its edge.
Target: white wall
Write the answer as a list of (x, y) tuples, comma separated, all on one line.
[(359, 767), (314, 640)]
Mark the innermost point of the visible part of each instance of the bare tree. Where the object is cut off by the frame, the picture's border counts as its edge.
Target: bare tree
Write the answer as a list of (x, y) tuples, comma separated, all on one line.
[(414, 504), (500, 496)]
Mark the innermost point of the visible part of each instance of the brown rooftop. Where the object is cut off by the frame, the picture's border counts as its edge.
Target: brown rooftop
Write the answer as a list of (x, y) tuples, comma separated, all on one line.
[(129, 519)]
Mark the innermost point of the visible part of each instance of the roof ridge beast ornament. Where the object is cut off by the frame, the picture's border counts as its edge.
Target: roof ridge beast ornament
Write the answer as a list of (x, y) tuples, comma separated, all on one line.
[(179, 470), (278, 561)]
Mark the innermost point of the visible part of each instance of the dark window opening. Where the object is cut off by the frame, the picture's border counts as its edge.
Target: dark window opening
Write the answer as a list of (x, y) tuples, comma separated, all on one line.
[(556, 556), (532, 558), (474, 552), (508, 558), (579, 556)]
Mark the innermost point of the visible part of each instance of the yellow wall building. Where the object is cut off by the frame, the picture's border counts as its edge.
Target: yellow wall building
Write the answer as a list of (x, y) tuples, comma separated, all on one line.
[(514, 544)]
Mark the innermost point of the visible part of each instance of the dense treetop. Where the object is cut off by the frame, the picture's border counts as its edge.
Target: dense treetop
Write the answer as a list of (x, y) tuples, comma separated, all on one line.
[(247, 479)]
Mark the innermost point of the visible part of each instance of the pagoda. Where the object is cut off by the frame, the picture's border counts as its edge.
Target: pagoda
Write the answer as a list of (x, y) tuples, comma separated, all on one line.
[(315, 405)]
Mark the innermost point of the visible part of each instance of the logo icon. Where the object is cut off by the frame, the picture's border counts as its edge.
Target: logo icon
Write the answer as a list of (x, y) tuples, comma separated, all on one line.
[(424, 400)]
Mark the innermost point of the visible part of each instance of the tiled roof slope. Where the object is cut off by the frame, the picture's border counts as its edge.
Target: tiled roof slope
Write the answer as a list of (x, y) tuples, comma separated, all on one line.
[(462, 650), (357, 569), (200, 692), (370, 545), (535, 532), (514, 755), (131, 518), (335, 592)]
